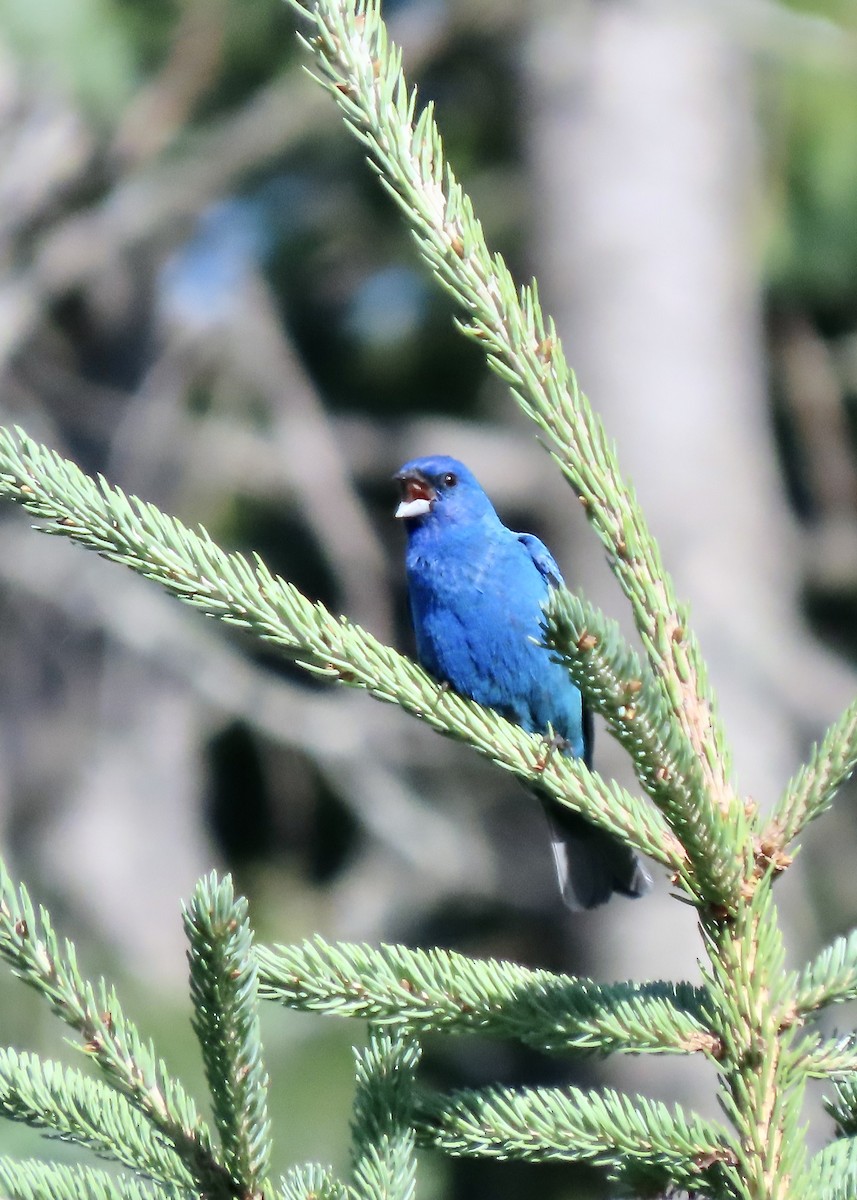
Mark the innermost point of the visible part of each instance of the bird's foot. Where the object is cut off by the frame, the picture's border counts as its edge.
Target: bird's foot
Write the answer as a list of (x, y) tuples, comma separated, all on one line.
[(551, 745)]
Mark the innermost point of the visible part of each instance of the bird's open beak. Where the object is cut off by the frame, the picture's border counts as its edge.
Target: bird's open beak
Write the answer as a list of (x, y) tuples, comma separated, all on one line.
[(417, 494)]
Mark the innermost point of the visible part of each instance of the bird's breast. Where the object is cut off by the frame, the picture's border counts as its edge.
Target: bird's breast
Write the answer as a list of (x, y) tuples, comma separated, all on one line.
[(477, 615), (475, 618), (460, 576)]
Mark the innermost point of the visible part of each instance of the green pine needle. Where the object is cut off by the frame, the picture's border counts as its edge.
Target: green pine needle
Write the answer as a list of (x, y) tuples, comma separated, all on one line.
[(439, 991), (833, 1171), (816, 783), (383, 1145), (312, 1182), (748, 1017), (606, 1128), (63, 1101), (831, 978), (230, 587), (843, 1107), (223, 984), (830, 1057), (32, 1179), (30, 946), (362, 70), (638, 713)]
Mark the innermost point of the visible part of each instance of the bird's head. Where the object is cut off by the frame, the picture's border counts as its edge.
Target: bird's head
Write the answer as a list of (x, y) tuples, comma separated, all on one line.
[(441, 488)]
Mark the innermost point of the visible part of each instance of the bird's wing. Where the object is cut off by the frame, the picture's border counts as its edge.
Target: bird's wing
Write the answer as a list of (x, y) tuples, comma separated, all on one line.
[(548, 569), (542, 557)]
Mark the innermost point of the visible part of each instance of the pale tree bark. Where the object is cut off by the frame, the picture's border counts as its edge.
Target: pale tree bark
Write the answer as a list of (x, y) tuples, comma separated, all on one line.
[(127, 842), (644, 149)]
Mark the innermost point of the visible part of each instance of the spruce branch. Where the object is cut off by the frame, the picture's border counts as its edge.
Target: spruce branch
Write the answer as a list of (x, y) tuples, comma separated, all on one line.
[(829, 1057), (312, 1182), (32, 1179), (606, 1128), (627, 695), (843, 1107), (751, 998), (245, 594), (831, 978), (761, 1090), (383, 1146), (47, 1095), (362, 70), (833, 1171), (223, 984), (812, 790), (439, 991), (383, 1159), (33, 950)]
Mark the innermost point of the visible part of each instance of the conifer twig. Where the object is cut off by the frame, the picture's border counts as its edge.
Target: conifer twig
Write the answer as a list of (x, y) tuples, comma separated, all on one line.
[(362, 70), (48, 1095), (843, 1107), (245, 594), (830, 1057), (223, 979), (833, 1171), (32, 1179), (432, 991), (748, 1017), (624, 692), (812, 790), (831, 977), (28, 943), (312, 1182), (728, 864), (605, 1128), (384, 1163)]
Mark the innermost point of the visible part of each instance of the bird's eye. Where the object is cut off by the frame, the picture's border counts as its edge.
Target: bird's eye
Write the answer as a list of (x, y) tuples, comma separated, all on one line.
[(450, 480)]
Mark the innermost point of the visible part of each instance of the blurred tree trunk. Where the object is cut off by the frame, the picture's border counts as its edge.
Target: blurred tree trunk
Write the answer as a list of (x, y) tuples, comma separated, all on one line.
[(127, 843), (644, 156)]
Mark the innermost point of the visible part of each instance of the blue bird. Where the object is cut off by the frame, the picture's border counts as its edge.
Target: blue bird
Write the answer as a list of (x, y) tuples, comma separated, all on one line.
[(476, 592)]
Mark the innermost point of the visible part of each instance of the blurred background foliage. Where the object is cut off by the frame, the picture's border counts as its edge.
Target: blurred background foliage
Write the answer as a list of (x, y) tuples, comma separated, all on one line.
[(206, 295)]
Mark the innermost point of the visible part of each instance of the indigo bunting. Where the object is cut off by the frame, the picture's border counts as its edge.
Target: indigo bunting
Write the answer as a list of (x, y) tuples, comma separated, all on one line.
[(476, 592)]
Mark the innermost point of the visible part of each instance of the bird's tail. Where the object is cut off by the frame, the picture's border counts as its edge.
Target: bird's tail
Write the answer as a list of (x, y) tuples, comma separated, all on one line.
[(590, 864)]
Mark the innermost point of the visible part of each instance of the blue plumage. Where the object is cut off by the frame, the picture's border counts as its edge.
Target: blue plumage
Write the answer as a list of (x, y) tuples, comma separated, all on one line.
[(476, 593)]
